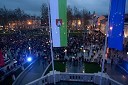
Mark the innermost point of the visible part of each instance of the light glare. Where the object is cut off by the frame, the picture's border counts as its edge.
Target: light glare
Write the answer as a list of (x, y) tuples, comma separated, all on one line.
[(29, 59)]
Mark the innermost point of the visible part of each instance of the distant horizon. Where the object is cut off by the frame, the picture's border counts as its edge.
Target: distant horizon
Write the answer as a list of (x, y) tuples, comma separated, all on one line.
[(40, 15), (33, 7)]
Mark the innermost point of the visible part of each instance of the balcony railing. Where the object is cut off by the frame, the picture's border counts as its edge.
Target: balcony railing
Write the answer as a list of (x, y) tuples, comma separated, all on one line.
[(81, 77)]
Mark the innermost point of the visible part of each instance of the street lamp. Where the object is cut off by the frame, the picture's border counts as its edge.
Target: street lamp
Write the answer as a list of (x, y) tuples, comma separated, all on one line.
[(29, 59), (29, 23), (79, 22), (84, 54), (125, 35), (111, 28), (65, 51), (29, 49)]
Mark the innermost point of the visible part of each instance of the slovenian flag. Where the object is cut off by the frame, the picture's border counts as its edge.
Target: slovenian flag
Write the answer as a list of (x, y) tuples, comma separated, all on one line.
[(116, 24), (58, 12)]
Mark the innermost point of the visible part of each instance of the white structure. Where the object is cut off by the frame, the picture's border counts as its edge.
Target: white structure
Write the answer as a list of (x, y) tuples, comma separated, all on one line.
[(81, 77)]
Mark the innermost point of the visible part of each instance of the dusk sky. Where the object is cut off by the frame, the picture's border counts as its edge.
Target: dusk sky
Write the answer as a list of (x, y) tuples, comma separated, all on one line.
[(33, 6)]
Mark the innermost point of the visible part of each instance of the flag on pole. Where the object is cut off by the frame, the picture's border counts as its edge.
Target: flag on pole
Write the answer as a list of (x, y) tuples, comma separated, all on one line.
[(58, 12), (116, 24)]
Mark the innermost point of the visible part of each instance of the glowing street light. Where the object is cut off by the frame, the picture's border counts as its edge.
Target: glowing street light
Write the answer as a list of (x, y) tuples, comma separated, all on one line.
[(84, 51), (29, 23), (29, 48), (65, 53), (79, 22), (127, 53), (29, 59), (84, 54), (111, 28), (65, 50), (125, 35)]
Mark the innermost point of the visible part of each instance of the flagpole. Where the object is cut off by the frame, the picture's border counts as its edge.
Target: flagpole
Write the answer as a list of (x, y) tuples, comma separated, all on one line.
[(105, 47), (51, 46)]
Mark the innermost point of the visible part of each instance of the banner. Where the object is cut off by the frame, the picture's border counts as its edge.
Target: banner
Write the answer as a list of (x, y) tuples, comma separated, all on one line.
[(116, 24), (58, 12)]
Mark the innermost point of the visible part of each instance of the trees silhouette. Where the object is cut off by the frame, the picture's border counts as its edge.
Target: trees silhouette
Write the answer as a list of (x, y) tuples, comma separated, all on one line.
[(7, 16)]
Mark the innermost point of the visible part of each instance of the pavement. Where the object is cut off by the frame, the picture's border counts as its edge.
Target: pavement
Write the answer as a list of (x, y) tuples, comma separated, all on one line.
[(117, 74), (74, 67), (113, 71), (35, 72)]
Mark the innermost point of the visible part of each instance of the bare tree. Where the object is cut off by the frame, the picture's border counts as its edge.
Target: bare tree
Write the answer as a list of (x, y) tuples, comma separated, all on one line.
[(69, 16), (7, 16), (77, 14), (44, 15), (86, 16), (4, 17)]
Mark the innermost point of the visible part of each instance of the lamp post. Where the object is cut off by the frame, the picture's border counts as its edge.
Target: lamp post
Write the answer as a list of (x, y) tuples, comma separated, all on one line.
[(65, 51), (84, 54), (79, 22), (90, 53), (29, 49)]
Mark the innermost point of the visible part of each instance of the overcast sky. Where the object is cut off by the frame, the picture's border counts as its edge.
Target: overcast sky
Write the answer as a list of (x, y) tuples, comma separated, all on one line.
[(33, 6)]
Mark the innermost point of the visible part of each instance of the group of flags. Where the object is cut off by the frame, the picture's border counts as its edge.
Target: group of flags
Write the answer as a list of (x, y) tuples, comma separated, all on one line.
[(58, 14)]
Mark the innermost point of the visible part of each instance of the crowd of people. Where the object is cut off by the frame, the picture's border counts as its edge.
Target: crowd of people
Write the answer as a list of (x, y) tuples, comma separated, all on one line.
[(20, 45)]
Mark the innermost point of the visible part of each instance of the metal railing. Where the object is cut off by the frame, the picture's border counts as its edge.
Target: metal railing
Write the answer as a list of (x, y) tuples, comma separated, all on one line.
[(22, 74), (82, 77)]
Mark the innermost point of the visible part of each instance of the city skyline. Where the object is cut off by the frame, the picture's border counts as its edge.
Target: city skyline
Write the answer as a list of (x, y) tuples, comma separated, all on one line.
[(35, 8)]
